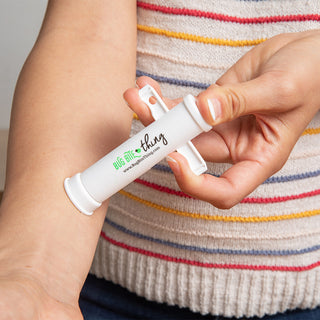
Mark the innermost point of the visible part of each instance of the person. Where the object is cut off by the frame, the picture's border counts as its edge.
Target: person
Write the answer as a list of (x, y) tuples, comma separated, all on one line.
[(239, 241)]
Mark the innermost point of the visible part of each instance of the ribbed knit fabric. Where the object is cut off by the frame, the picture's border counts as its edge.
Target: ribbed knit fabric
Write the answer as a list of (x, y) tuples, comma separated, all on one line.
[(263, 255)]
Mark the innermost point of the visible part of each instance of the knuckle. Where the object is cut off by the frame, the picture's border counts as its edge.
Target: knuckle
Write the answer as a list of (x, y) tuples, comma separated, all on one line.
[(233, 101), (225, 203), (287, 88), (236, 102)]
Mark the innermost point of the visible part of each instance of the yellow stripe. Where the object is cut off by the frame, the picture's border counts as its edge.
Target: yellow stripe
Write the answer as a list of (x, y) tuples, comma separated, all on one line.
[(222, 218), (311, 131), (195, 38)]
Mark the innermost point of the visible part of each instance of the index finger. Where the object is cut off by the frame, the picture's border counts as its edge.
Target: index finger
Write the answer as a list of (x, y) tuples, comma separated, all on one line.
[(138, 106), (225, 191)]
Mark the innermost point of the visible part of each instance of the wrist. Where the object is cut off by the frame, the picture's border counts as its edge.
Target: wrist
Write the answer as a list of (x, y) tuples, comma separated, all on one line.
[(54, 247)]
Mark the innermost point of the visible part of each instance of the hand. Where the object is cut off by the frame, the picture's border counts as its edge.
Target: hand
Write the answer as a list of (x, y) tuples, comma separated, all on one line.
[(262, 104)]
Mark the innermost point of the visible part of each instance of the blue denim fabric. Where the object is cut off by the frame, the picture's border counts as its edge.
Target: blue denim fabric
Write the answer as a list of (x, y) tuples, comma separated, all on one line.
[(101, 300)]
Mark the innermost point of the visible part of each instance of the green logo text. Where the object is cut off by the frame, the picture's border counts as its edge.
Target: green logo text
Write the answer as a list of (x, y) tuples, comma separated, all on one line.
[(126, 158)]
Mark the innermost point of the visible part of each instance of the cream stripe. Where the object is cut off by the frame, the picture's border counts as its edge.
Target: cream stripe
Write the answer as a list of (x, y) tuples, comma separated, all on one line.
[(205, 76), (273, 230), (263, 191), (208, 230), (241, 213), (307, 146), (211, 241), (190, 51), (294, 260), (177, 60), (246, 8), (217, 29)]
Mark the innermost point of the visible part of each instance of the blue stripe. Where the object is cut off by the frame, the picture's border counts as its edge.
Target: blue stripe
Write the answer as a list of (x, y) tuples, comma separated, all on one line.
[(273, 179), (174, 81), (304, 175), (212, 251)]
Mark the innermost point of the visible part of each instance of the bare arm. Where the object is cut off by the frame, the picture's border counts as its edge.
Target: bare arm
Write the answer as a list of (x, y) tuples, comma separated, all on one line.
[(67, 112)]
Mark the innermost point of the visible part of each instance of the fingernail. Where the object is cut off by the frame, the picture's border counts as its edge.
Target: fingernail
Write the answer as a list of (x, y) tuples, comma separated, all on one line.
[(174, 165), (136, 84), (214, 108), (171, 159)]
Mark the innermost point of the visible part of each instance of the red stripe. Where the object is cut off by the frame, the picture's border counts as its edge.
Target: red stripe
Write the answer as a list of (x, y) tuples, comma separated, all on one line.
[(226, 18), (209, 265), (245, 200), (283, 198), (162, 188)]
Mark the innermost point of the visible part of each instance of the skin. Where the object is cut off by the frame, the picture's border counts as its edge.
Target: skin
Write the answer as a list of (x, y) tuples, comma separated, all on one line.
[(67, 113), (267, 99), (70, 94)]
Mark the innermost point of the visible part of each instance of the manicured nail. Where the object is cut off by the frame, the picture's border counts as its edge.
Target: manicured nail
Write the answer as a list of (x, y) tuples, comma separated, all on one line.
[(171, 159), (174, 165), (214, 108)]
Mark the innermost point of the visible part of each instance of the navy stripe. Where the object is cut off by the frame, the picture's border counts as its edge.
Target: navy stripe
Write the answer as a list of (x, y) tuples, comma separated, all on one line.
[(273, 179), (212, 251), (174, 81), (304, 175)]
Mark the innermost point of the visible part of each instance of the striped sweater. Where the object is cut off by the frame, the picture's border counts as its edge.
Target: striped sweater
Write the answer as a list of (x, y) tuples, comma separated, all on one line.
[(261, 256)]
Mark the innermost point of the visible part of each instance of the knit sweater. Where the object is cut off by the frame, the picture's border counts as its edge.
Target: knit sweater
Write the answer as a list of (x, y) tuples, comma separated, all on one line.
[(261, 256)]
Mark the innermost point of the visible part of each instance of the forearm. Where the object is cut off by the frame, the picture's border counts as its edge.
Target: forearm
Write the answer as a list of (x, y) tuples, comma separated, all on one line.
[(67, 113)]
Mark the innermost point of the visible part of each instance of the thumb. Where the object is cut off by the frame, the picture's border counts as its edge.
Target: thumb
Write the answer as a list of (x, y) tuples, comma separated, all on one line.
[(223, 103)]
